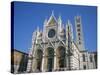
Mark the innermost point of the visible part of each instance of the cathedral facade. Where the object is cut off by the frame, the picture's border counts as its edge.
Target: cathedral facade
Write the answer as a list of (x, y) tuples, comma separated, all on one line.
[(54, 48)]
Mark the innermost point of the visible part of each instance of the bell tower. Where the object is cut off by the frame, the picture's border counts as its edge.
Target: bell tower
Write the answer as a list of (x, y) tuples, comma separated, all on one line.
[(79, 33)]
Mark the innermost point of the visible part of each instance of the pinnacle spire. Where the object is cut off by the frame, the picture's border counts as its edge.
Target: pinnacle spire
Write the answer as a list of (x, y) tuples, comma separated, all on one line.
[(45, 21), (69, 22), (59, 20), (69, 28)]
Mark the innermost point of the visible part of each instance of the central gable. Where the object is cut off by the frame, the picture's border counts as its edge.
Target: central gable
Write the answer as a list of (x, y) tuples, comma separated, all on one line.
[(52, 20)]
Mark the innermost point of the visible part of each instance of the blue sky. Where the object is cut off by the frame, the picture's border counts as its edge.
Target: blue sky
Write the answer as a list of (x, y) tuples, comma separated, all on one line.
[(28, 16)]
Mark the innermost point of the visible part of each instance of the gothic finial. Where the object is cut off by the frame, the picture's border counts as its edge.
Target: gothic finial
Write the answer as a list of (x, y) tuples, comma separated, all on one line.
[(52, 13)]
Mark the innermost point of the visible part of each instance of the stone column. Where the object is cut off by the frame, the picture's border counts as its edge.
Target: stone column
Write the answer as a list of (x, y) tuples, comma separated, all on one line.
[(34, 64), (30, 59), (29, 65), (67, 62), (67, 59), (55, 61), (94, 64), (43, 64)]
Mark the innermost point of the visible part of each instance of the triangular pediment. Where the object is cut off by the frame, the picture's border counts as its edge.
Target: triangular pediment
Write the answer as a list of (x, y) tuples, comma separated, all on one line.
[(52, 21)]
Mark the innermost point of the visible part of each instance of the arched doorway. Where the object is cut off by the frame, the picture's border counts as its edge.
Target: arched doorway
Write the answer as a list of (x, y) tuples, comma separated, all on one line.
[(50, 58), (61, 54), (39, 54)]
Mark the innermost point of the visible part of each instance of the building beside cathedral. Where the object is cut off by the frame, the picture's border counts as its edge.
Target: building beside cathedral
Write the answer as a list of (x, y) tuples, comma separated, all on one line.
[(54, 48), (19, 61)]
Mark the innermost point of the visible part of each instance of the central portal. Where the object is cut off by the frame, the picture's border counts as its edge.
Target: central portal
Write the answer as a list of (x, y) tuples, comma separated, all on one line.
[(50, 63)]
